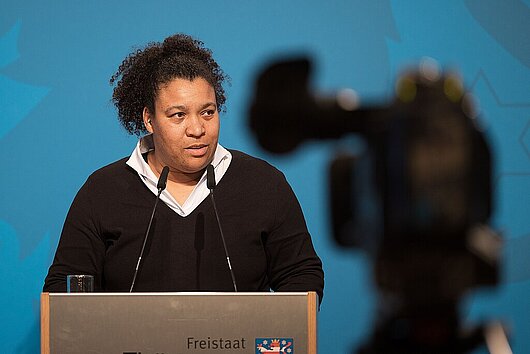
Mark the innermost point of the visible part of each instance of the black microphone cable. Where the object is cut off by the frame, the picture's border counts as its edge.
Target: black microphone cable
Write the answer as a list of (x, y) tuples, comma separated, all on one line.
[(161, 185), (210, 182)]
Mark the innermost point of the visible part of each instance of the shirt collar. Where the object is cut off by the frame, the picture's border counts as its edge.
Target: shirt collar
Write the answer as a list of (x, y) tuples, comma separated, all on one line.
[(220, 162)]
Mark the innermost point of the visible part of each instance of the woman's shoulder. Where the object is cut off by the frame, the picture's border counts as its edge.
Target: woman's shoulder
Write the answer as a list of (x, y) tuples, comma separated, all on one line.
[(115, 168), (114, 175), (243, 163), (253, 171)]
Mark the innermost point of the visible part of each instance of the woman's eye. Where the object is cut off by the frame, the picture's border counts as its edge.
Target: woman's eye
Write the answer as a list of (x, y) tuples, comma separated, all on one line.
[(178, 115)]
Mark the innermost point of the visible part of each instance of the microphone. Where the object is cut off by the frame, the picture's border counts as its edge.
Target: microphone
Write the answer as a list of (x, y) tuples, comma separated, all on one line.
[(210, 183), (161, 185)]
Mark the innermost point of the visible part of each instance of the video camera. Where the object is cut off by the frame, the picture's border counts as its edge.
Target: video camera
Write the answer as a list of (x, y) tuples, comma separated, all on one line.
[(417, 196)]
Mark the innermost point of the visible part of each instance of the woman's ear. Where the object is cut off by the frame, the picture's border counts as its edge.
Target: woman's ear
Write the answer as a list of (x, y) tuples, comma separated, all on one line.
[(146, 115)]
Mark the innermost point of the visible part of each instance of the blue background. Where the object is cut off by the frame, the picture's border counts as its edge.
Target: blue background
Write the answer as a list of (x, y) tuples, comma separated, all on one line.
[(58, 125)]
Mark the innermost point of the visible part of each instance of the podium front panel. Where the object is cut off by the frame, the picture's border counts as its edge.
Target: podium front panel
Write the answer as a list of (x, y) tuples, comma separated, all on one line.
[(171, 323)]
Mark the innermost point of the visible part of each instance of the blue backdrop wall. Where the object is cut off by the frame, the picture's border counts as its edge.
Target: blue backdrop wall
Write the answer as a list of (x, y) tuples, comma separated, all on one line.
[(57, 123)]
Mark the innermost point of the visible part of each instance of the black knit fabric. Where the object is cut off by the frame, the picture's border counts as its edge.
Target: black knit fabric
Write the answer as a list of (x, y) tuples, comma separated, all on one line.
[(265, 231)]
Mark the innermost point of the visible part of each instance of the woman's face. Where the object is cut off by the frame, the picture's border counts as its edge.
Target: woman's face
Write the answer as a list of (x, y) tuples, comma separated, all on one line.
[(185, 125)]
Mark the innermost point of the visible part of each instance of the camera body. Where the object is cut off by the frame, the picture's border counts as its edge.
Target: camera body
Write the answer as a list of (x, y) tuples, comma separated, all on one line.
[(417, 196)]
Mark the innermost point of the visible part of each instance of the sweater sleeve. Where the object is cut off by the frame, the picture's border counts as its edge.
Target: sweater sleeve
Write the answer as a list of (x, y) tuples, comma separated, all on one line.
[(293, 262), (81, 250)]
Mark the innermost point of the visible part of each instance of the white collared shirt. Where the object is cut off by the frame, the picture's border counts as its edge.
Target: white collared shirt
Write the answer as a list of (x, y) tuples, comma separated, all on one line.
[(221, 161)]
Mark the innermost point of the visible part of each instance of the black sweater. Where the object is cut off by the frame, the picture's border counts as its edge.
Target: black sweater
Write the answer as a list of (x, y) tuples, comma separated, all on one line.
[(265, 231)]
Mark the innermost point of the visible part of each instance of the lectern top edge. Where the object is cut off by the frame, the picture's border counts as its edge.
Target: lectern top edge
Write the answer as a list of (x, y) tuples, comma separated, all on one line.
[(185, 294)]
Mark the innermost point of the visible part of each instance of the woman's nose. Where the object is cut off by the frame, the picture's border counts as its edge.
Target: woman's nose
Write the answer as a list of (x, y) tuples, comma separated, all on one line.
[(195, 127)]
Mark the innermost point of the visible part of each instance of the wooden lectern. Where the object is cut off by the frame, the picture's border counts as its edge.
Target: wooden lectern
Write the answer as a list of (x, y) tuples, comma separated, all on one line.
[(178, 323)]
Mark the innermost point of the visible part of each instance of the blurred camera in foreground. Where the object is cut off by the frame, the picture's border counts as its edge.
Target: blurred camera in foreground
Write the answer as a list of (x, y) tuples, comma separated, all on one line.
[(417, 196)]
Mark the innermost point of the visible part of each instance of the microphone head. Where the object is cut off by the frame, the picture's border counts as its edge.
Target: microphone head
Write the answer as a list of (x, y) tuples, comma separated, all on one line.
[(161, 185), (210, 177)]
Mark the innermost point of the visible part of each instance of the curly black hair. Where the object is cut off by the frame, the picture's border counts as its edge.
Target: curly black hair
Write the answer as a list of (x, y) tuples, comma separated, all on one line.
[(142, 72)]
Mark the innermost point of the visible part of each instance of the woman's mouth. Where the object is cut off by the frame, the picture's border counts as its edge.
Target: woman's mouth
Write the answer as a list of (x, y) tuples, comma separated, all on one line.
[(197, 150)]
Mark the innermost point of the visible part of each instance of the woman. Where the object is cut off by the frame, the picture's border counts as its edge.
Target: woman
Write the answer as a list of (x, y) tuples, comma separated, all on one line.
[(172, 92)]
